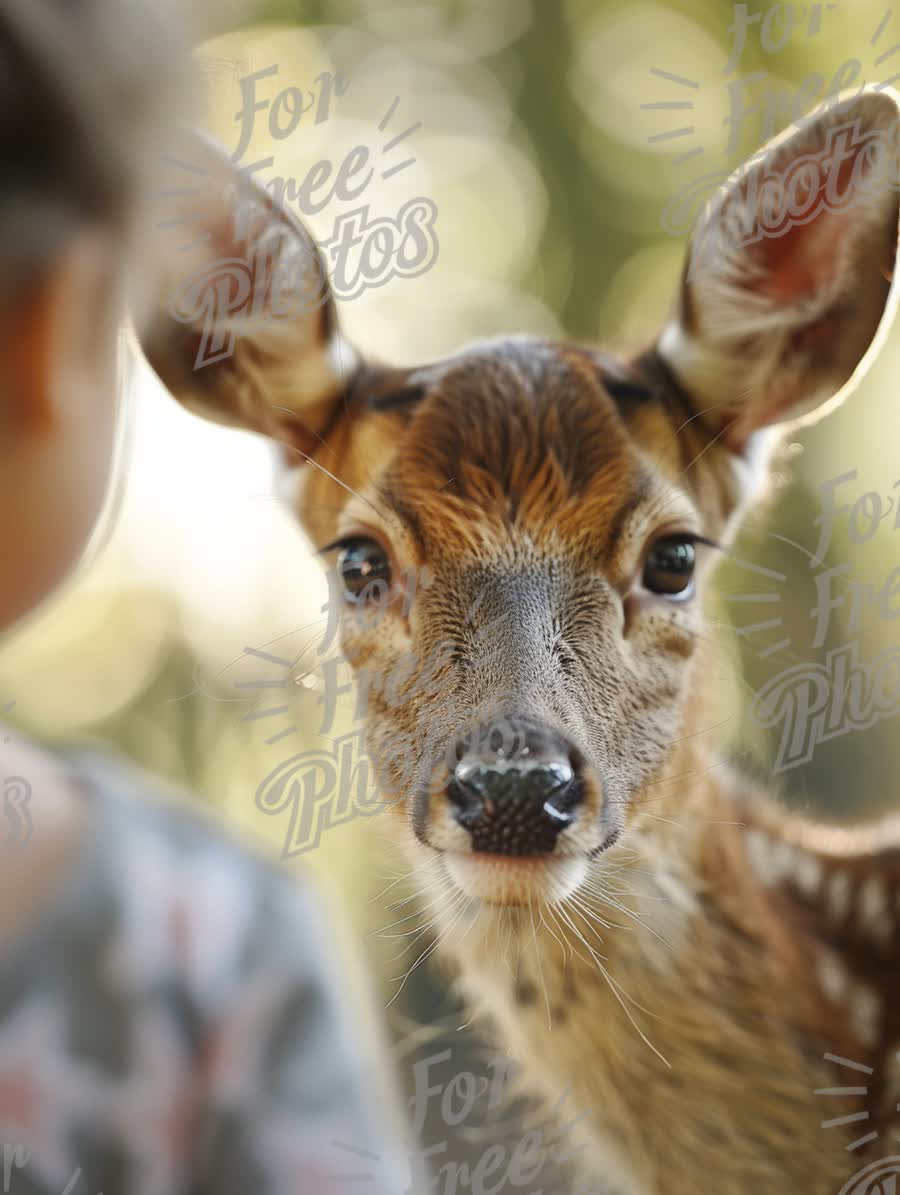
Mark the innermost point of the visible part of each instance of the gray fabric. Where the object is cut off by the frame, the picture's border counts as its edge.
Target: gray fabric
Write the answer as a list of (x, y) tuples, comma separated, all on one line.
[(173, 1022)]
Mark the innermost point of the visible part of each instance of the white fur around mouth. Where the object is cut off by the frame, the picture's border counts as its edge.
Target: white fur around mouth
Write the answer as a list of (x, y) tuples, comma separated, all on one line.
[(512, 880)]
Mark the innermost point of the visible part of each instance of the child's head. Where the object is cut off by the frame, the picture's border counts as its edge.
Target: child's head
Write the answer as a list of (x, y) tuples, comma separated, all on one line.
[(83, 86)]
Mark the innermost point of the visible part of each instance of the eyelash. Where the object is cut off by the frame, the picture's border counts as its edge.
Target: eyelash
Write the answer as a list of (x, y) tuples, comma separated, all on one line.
[(338, 544), (693, 538)]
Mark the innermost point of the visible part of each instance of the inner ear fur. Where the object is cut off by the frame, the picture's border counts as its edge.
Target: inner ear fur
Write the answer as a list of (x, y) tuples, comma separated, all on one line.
[(788, 288), (238, 319)]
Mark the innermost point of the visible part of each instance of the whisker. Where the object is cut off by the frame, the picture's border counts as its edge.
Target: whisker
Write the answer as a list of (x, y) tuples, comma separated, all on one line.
[(540, 967), (614, 987)]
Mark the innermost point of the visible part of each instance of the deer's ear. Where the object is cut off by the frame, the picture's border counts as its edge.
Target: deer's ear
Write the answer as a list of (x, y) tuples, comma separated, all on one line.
[(238, 319), (787, 289)]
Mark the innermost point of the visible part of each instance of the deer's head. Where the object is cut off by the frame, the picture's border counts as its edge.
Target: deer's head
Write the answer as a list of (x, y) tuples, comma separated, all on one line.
[(566, 503)]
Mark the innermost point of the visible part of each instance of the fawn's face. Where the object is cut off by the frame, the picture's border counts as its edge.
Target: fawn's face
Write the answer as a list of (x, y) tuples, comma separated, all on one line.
[(531, 685), (522, 532)]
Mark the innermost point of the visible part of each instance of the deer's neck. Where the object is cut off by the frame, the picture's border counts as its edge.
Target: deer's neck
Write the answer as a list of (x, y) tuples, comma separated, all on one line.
[(648, 993)]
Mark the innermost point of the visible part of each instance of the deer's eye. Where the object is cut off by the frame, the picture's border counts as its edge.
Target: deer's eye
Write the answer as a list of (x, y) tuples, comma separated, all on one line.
[(364, 566), (669, 567)]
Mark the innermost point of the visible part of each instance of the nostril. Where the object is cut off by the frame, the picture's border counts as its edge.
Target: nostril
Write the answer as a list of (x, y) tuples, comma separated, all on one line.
[(467, 801), (562, 801)]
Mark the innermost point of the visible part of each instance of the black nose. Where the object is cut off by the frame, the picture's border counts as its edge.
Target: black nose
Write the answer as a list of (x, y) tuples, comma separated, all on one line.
[(514, 788)]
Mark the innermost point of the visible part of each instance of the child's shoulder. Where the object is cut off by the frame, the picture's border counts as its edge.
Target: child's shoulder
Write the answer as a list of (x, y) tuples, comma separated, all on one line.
[(144, 805), (187, 898)]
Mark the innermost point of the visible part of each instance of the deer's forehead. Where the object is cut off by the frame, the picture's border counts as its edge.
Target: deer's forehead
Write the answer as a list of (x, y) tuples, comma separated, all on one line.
[(510, 410), (501, 450)]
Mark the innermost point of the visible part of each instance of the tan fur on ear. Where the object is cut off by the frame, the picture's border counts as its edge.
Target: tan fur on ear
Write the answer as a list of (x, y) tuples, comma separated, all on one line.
[(242, 328), (787, 291)]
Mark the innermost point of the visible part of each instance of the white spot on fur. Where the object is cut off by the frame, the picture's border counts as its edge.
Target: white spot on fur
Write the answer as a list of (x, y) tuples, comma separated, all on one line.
[(838, 895), (784, 859), (833, 978), (762, 859), (808, 874), (778, 861), (874, 911), (872, 899), (865, 1014)]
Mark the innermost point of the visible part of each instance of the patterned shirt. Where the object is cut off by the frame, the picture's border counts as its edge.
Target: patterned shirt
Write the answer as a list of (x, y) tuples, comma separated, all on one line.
[(173, 1023)]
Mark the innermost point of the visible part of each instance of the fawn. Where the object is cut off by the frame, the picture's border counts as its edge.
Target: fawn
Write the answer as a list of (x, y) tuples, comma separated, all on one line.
[(639, 925)]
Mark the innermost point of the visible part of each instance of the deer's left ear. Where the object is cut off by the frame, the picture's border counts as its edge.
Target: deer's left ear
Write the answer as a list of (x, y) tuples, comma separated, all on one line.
[(787, 291)]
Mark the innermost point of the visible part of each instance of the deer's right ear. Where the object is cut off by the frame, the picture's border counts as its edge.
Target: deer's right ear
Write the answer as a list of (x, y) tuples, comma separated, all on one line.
[(239, 321)]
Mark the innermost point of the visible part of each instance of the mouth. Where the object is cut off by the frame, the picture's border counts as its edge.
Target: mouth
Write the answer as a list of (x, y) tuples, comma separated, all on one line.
[(515, 880)]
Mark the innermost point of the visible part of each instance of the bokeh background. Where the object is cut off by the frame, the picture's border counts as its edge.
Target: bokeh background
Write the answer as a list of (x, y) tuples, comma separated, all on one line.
[(554, 137)]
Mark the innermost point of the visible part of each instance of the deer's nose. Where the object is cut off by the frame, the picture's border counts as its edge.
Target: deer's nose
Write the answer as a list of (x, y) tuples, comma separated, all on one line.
[(516, 802)]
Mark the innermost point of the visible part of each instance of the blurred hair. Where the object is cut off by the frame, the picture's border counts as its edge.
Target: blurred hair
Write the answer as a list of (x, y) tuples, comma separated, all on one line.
[(84, 84)]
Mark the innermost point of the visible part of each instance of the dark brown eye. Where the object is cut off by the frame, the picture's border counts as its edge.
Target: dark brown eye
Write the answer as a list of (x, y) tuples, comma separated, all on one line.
[(365, 570), (669, 568)]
